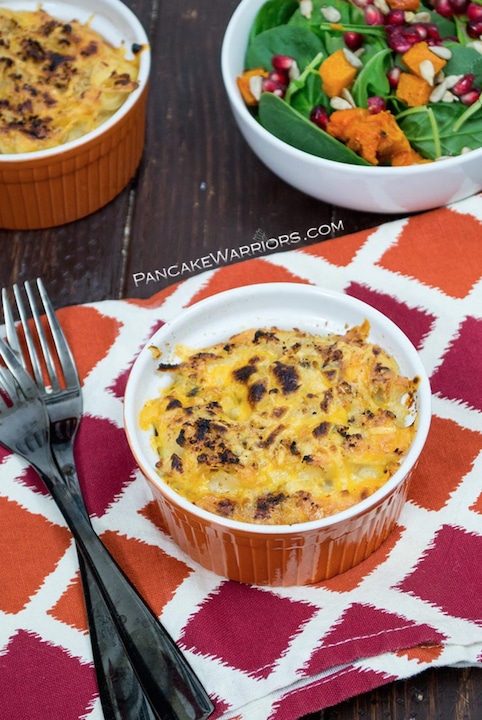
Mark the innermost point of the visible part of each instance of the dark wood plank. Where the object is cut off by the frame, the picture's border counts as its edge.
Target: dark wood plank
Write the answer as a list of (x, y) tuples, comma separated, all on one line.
[(443, 694), (80, 262), (201, 189)]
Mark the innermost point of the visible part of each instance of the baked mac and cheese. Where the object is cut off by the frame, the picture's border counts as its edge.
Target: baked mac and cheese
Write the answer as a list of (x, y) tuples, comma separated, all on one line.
[(278, 427), (58, 80)]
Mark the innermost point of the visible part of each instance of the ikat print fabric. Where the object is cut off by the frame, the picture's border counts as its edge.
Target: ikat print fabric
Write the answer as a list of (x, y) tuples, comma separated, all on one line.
[(266, 653)]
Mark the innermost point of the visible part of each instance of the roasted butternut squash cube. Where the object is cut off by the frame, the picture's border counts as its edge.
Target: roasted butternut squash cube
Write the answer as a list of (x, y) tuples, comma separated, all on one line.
[(243, 83), (418, 53), (375, 137), (413, 90), (408, 157), (337, 73), (405, 5)]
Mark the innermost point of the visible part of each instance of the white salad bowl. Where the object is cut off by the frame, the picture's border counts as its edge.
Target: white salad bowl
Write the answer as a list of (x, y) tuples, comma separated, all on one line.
[(369, 189)]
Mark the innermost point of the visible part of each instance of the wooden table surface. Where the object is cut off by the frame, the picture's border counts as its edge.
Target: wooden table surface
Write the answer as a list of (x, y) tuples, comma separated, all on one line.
[(199, 189)]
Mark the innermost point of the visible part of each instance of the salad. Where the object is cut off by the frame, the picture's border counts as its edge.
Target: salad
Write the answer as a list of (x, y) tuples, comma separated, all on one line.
[(370, 82)]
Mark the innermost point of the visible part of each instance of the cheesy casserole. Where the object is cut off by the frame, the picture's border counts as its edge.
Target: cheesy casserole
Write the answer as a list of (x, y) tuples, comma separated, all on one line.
[(278, 426), (58, 80)]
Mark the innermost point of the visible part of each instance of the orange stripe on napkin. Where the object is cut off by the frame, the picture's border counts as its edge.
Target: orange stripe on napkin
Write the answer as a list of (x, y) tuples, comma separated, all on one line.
[(340, 251), (447, 457), (89, 334), (250, 272), (157, 586), (442, 248), (70, 608), (155, 300), (422, 653), (20, 532)]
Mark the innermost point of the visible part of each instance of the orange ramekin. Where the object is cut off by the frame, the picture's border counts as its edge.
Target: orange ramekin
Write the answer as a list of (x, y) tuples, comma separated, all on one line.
[(56, 186), (276, 555), (296, 556)]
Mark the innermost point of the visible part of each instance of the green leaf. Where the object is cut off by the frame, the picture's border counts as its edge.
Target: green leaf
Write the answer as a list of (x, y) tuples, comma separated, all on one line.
[(291, 127), (305, 91), (299, 43), (372, 78), (439, 130), (349, 13), (272, 14), (464, 60), (309, 95), (446, 26)]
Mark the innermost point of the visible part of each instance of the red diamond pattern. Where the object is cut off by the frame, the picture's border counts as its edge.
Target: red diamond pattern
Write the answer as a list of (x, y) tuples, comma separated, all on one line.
[(255, 627)]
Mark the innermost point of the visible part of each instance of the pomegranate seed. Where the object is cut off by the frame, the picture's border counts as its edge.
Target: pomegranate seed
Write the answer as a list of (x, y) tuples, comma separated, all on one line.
[(282, 62), (376, 104), (362, 4), (474, 11), (400, 38), (474, 29), (433, 33), (373, 16), (464, 85), (395, 17), (410, 32), (279, 76), (421, 30), (319, 116), (444, 8), (459, 6), (471, 97), (273, 87), (393, 76), (353, 40)]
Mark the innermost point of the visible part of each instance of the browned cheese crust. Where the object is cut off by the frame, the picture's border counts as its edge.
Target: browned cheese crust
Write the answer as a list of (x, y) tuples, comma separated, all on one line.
[(281, 427), (58, 80)]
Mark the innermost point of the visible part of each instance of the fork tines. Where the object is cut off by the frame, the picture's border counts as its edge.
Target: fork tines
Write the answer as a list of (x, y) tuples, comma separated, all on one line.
[(51, 347)]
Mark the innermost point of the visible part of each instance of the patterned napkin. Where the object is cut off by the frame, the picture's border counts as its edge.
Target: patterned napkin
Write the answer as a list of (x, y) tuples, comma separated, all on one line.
[(267, 653)]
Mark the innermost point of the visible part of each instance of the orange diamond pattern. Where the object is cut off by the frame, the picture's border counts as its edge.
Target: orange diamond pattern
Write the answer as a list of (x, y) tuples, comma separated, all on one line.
[(441, 249), (29, 542), (447, 457)]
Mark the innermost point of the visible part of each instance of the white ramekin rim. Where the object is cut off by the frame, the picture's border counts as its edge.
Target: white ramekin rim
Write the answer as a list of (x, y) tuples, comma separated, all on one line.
[(120, 26), (144, 364)]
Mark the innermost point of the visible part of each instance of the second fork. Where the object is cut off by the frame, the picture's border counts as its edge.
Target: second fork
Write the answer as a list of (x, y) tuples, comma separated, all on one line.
[(120, 693), (145, 641)]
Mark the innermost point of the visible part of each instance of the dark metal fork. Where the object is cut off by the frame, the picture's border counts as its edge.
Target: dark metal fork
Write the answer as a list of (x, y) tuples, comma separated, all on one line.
[(120, 693), (167, 680)]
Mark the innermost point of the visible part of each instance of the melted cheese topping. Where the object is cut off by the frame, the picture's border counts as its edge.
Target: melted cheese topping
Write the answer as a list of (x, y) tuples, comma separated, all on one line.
[(58, 80), (282, 426)]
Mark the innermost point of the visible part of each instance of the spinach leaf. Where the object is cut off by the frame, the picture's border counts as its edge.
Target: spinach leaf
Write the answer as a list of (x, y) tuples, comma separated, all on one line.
[(438, 130), (272, 14), (349, 13), (464, 60), (299, 43), (330, 33), (311, 94), (372, 78), (291, 127), (446, 26)]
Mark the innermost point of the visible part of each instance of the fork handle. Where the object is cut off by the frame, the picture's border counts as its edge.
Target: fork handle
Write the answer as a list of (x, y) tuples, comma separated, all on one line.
[(120, 692), (168, 681)]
